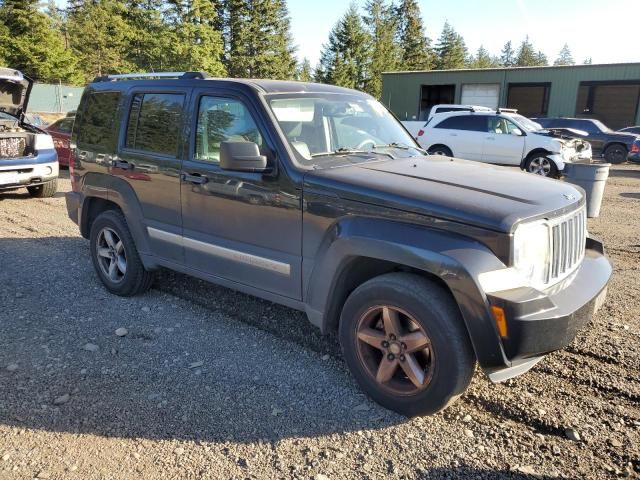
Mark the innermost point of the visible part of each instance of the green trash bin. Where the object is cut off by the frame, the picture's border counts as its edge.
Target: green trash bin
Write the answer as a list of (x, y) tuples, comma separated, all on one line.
[(592, 177)]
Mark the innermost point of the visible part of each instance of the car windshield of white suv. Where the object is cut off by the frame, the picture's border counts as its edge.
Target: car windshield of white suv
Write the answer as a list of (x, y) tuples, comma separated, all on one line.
[(525, 123), (318, 126)]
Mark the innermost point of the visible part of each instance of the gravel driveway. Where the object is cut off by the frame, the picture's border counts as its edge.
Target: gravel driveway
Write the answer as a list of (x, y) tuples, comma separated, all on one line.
[(203, 382)]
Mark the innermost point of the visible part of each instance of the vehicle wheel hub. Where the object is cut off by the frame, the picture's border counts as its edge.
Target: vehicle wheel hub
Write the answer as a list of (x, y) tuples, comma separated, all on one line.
[(395, 350), (112, 258)]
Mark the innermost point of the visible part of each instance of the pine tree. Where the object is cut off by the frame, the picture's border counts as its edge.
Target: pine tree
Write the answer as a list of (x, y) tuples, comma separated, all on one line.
[(305, 73), (415, 46), (151, 39), (196, 44), (385, 51), (565, 57), (526, 54), (541, 59), (588, 61), (100, 37), (483, 59), (508, 55), (344, 59), (30, 43), (451, 49), (259, 39)]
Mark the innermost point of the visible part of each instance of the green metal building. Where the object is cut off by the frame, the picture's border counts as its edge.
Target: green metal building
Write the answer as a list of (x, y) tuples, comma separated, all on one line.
[(609, 92)]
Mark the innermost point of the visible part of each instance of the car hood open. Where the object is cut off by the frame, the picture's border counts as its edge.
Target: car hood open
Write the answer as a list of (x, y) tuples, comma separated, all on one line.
[(464, 191), (14, 92)]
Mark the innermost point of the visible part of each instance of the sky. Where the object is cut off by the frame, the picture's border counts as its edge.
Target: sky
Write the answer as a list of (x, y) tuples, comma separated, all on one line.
[(601, 29)]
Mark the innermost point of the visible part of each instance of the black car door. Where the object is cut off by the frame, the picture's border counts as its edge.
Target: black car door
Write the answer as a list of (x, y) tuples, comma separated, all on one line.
[(150, 159), (245, 227)]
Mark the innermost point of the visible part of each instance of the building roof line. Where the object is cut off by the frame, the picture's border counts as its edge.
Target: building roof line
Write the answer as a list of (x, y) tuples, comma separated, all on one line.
[(502, 69)]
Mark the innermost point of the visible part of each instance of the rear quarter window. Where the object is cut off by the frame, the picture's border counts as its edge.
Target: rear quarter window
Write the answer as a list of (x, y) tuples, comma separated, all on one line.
[(97, 122), (155, 123)]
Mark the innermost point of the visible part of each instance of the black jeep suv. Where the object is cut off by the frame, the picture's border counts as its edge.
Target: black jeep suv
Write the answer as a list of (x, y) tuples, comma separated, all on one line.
[(613, 146), (315, 197)]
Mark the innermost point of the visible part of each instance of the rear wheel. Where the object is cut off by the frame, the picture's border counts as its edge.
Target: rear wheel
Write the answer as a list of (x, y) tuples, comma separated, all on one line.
[(45, 190), (405, 343), (115, 257), (441, 150), (616, 153), (541, 165)]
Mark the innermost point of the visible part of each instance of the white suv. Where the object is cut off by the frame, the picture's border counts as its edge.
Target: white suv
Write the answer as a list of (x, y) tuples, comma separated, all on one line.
[(502, 137)]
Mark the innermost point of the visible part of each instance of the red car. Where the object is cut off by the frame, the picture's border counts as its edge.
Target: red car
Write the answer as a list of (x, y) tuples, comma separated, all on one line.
[(61, 133)]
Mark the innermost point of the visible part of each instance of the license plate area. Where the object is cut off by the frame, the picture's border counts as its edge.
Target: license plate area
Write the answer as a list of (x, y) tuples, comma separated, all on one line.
[(8, 178)]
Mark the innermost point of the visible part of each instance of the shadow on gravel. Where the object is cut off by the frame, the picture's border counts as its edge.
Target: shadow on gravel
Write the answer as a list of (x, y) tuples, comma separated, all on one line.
[(180, 373), (633, 195), (625, 173), (470, 472)]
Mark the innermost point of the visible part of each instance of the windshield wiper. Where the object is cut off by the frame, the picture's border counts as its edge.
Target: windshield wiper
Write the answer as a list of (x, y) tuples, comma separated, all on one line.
[(339, 151), (401, 146)]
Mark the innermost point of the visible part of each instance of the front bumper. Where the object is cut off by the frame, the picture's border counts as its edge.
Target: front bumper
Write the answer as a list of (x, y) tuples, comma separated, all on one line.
[(634, 157), (542, 322), (28, 171)]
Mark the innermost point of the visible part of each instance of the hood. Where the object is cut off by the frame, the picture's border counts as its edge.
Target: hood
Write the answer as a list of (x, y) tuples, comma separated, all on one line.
[(564, 132), (14, 92), (468, 192)]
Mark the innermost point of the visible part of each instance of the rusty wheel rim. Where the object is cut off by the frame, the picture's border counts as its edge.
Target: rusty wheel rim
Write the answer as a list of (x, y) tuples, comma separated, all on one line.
[(395, 350)]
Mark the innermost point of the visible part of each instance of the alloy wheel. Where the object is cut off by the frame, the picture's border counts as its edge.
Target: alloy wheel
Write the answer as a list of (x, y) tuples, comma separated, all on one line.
[(540, 166), (395, 350), (112, 257)]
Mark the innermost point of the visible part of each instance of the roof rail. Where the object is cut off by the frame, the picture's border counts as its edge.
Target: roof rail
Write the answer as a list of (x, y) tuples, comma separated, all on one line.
[(152, 75), (508, 110)]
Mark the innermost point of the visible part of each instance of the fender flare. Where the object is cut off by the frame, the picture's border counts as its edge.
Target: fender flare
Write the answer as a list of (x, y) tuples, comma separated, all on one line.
[(454, 259), (118, 191)]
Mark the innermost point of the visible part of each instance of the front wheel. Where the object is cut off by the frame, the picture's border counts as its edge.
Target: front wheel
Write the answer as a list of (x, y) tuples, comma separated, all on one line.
[(44, 190), (405, 343), (615, 154), (541, 165)]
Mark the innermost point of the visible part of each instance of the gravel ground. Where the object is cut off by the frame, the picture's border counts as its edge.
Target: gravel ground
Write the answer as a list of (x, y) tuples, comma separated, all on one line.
[(209, 383)]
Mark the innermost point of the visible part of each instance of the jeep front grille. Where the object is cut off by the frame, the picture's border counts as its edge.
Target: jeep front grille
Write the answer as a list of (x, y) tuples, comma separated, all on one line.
[(568, 238)]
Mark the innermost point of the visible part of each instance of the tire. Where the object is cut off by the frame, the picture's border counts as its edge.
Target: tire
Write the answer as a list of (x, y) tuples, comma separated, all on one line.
[(440, 150), (616, 153), (540, 164), (129, 275), (446, 366), (45, 190)]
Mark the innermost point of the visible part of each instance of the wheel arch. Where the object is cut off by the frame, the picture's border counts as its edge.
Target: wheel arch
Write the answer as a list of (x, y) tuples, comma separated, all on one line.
[(441, 145), (535, 151), (450, 260), (114, 194)]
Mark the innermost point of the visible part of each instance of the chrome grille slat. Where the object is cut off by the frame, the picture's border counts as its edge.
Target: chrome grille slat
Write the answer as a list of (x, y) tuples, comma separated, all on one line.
[(568, 237)]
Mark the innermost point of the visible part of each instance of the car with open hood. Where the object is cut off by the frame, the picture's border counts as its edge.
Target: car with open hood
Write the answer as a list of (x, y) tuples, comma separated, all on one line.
[(316, 197), (27, 154)]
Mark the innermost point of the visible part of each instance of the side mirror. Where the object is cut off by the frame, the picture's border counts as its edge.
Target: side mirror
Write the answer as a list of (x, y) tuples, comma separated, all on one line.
[(242, 157)]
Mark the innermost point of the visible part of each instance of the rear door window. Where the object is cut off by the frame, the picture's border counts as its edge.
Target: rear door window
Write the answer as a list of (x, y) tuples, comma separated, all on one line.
[(474, 123), (155, 123), (98, 122)]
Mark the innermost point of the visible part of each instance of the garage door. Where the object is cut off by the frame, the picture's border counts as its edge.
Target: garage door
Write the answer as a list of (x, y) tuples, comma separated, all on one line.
[(614, 104), (481, 94)]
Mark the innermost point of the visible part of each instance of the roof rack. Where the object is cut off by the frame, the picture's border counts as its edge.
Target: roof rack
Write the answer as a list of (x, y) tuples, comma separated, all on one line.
[(152, 75), (508, 110)]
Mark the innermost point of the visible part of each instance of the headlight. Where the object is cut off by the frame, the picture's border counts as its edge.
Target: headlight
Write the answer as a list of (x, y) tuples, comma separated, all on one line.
[(531, 251), (43, 142)]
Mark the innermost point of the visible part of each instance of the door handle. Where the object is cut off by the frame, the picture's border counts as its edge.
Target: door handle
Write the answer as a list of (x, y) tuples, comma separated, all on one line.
[(195, 178), (123, 164)]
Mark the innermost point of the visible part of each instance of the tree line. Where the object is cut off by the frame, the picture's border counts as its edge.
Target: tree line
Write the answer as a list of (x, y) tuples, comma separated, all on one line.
[(236, 38)]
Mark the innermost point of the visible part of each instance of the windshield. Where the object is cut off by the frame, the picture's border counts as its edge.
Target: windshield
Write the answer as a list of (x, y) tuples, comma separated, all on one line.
[(602, 126), (321, 125), (527, 124)]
